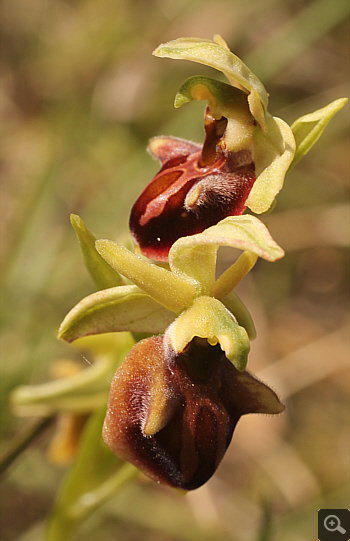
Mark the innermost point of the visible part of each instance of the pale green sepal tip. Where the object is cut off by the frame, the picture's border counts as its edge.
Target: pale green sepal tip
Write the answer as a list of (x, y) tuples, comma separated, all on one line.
[(209, 318), (101, 273), (83, 391), (169, 289), (122, 308), (308, 128)]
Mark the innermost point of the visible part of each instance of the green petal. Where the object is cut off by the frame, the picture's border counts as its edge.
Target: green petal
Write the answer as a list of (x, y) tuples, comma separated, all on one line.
[(208, 318), (229, 279), (169, 289), (123, 308), (102, 274), (217, 55), (196, 255), (274, 153), (307, 129)]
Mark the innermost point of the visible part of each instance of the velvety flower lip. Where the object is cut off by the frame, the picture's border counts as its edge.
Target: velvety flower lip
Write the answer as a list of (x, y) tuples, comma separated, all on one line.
[(195, 188), (173, 415)]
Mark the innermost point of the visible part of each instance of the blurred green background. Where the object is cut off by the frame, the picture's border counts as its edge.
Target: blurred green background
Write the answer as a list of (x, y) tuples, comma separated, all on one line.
[(81, 94)]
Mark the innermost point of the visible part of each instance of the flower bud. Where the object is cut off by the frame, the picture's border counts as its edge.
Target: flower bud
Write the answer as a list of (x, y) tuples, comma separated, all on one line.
[(173, 415)]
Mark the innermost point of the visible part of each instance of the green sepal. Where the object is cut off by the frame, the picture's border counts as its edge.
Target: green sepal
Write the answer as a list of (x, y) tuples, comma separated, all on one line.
[(307, 129), (217, 55), (273, 154), (123, 308), (195, 255), (173, 291), (209, 318), (102, 274)]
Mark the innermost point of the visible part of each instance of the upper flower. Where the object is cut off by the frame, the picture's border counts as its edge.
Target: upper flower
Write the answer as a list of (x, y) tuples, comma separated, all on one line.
[(242, 162)]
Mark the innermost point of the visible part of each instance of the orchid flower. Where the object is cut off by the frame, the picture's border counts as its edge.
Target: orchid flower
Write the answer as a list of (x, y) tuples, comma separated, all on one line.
[(187, 383), (241, 164)]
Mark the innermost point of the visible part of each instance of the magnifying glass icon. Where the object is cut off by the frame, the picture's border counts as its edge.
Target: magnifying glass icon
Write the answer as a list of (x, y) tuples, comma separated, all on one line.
[(332, 524)]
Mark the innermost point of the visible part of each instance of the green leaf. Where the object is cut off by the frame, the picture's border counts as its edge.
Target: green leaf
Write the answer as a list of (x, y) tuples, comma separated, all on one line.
[(123, 308), (173, 291), (101, 273), (307, 129), (208, 318), (97, 474), (217, 55)]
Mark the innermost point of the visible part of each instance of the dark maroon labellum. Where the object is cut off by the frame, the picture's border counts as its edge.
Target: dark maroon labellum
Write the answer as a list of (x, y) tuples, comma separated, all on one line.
[(193, 400), (195, 189)]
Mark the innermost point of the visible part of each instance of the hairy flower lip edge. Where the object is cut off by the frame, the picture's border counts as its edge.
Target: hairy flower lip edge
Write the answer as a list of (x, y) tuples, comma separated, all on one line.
[(153, 453)]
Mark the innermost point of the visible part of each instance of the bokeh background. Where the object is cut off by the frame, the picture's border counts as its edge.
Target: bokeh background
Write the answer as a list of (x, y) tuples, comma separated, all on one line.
[(81, 94)]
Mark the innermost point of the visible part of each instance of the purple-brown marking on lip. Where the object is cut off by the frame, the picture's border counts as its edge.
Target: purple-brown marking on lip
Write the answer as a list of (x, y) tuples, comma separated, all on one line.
[(198, 397), (195, 189)]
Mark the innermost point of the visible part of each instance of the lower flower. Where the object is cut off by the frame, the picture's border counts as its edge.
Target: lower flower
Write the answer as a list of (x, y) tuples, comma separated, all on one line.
[(173, 415)]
